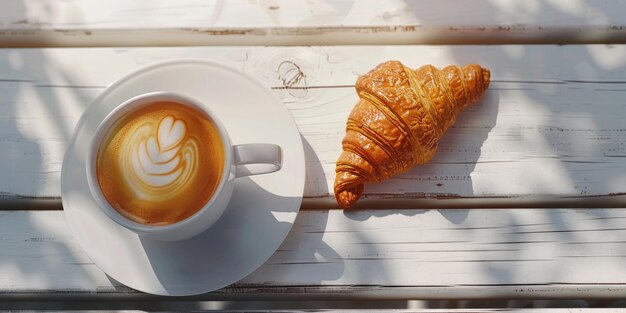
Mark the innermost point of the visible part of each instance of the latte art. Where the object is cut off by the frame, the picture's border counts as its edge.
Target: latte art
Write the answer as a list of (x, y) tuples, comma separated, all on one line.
[(161, 163), (159, 160)]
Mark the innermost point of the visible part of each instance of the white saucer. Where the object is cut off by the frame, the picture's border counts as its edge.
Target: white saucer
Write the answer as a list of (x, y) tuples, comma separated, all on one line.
[(261, 212)]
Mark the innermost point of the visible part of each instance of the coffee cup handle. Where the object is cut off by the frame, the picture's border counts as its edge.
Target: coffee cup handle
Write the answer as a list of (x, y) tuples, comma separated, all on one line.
[(256, 158)]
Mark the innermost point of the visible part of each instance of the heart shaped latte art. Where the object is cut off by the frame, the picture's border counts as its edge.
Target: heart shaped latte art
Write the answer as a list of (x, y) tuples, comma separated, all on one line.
[(159, 160)]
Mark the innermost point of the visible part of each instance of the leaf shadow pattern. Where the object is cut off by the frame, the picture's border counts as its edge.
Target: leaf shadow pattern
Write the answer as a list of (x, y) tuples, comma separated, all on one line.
[(35, 124)]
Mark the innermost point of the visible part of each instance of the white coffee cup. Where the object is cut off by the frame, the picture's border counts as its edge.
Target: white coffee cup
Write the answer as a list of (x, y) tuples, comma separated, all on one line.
[(267, 158)]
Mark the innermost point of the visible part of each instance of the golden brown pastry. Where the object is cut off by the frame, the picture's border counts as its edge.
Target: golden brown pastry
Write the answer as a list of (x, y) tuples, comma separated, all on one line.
[(401, 115)]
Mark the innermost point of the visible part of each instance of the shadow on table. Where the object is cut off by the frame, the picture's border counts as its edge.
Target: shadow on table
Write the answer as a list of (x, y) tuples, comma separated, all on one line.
[(25, 153), (472, 128), (241, 241), (39, 105), (574, 94), (304, 257), (38, 102)]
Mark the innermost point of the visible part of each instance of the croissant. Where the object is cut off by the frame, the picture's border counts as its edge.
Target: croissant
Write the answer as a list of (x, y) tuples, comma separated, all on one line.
[(400, 116)]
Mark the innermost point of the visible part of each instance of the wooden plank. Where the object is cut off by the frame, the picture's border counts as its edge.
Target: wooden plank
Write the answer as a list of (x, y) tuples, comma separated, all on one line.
[(46, 23), (552, 124), (511, 310), (421, 310), (382, 254)]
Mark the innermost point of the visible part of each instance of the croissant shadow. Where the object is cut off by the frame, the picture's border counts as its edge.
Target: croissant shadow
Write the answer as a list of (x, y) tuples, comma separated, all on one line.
[(480, 120), (446, 180)]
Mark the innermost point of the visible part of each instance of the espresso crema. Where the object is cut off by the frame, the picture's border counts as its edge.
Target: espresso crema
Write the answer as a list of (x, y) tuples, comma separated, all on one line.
[(160, 163)]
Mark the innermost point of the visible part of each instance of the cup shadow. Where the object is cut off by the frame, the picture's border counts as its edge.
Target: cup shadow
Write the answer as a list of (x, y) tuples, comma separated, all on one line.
[(250, 230), (306, 257)]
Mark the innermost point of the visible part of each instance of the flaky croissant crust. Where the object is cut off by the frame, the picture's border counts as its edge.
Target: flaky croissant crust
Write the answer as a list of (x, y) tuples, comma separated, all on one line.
[(401, 115)]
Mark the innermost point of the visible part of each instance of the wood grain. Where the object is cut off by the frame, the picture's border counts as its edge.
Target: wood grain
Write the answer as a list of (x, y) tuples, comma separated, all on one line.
[(551, 126), (379, 254), (47, 23), (422, 310)]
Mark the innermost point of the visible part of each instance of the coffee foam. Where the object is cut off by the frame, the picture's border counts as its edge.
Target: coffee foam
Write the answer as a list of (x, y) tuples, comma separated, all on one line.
[(161, 163), (158, 158)]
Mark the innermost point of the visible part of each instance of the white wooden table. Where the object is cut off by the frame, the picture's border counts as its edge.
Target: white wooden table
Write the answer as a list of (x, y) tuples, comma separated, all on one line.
[(525, 198)]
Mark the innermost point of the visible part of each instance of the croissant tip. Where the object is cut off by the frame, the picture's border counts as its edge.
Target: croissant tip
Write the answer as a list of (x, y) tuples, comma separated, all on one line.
[(348, 197), (486, 76)]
